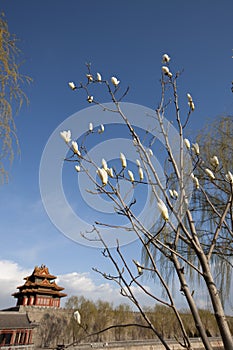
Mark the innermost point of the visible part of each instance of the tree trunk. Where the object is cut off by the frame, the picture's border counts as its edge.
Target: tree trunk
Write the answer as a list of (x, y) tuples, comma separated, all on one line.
[(217, 304), (192, 305)]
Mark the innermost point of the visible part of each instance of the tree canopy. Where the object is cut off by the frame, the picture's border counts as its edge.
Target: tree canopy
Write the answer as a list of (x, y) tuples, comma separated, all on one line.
[(191, 202)]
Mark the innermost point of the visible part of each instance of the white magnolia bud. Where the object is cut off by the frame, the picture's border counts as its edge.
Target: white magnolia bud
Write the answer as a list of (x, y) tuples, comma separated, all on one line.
[(190, 102), (210, 173), (110, 172), (98, 77), (90, 99), (115, 81), (196, 182), (187, 143), (140, 172), (163, 210), (66, 135), (165, 70), (191, 105), (150, 152), (77, 317), (214, 161), (131, 176), (123, 160), (196, 149), (89, 77), (103, 175), (166, 58), (229, 177), (101, 129), (90, 127), (75, 148), (104, 164), (173, 194), (72, 85), (77, 168)]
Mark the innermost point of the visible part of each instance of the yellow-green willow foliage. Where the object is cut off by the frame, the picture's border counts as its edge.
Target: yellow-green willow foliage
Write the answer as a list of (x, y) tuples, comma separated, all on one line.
[(11, 95)]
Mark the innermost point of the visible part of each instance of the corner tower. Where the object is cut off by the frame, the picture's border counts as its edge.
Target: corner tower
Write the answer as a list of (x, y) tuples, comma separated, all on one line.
[(40, 289)]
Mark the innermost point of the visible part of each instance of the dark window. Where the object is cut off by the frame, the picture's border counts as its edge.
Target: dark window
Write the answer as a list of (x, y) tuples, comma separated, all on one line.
[(8, 338), (1, 338), (5, 338)]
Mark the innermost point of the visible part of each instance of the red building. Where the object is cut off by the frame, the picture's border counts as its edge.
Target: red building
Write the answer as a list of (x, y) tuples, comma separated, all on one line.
[(15, 331), (40, 289)]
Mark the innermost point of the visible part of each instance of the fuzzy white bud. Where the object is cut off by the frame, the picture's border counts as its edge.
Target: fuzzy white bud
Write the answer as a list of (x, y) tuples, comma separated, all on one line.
[(90, 127), (210, 173), (77, 317), (115, 81), (110, 172), (140, 172), (150, 152), (163, 210), (90, 99), (101, 129), (89, 77), (103, 175), (196, 149), (214, 161), (166, 58), (66, 135), (98, 77), (187, 143), (75, 148), (173, 194), (131, 176), (104, 164), (229, 177), (77, 168), (196, 182), (123, 160), (72, 85), (165, 70)]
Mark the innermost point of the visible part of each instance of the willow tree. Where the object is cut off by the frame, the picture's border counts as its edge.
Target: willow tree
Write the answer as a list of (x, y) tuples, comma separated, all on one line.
[(216, 151), (180, 238), (11, 95), (216, 138)]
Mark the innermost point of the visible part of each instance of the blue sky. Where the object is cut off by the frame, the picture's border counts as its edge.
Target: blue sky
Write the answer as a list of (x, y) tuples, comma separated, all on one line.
[(123, 38)]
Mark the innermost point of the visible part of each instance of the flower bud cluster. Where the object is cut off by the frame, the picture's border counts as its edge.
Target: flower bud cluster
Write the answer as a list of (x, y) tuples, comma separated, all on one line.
[(190, 102), (166, 59), (91, 79)]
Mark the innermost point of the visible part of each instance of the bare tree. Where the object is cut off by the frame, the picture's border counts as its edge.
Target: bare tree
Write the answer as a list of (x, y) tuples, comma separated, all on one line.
[(11, 94), (180, 241)]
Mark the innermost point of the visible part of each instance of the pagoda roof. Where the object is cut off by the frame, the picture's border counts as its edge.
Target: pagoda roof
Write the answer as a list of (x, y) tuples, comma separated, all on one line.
[(39, 291), (40, 282), (44, 284), (41, 271), (14, 320)]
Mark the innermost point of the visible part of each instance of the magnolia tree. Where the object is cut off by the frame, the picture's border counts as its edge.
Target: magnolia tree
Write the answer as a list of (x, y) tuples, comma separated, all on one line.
[(160, 166)]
